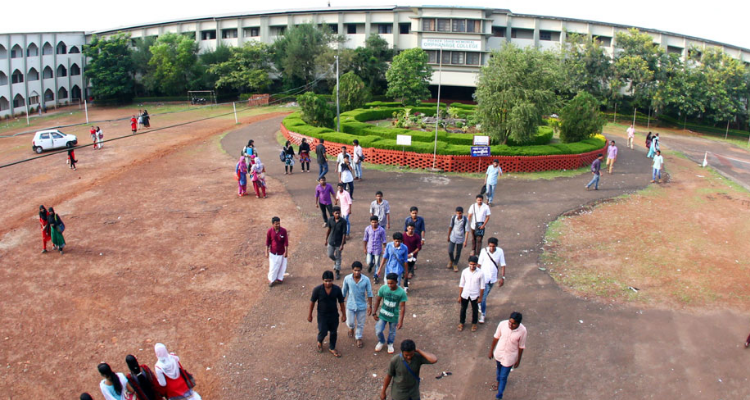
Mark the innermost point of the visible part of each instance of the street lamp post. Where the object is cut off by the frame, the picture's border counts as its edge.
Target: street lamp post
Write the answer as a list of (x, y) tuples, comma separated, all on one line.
[(437, 114), (338, 110)]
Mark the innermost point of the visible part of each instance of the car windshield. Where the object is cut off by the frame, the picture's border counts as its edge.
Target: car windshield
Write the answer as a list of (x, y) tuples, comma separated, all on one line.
[(57, 135), (44, 136)]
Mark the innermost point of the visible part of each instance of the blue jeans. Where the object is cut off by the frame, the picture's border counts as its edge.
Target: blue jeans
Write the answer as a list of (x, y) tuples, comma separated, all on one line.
[(502, 379), (373, 261), (357, 317), (358, 170), (490, 193), (594, 181), (657, 172), (380, 327), (323, 170), (349, 187), (348, 225), (487, 290)]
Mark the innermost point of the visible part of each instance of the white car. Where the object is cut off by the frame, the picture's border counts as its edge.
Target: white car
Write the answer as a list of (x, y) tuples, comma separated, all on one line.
[(52, 139)]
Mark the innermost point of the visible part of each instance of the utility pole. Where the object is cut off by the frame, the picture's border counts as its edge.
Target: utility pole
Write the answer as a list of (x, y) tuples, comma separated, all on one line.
[(338, 110), (437, 114)]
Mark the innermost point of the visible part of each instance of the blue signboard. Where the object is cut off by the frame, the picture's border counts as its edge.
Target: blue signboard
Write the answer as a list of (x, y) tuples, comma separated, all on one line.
[(480, 151)]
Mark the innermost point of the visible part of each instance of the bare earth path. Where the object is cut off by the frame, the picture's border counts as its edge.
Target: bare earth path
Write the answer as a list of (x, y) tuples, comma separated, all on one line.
[(576, 348)]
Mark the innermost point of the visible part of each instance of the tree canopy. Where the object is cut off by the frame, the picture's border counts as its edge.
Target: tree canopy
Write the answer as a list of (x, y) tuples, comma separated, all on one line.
[(409, 76), (353, 92), (110, 68), (514, 90), (174, 60), (247, 69)]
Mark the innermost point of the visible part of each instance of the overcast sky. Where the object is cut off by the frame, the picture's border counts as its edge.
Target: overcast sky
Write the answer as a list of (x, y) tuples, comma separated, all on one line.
[(719, 20)]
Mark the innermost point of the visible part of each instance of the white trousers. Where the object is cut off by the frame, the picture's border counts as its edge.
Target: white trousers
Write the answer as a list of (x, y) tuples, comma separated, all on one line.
[(276, 267)]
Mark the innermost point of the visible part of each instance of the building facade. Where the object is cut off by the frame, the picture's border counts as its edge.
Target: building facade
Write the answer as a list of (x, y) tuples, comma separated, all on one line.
[(458, 40), (40, 70)]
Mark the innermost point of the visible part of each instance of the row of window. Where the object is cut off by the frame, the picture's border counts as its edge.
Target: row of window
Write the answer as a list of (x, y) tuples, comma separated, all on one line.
[(351, 29), (33, 75), (551, 36), (49, 95), (33, 50), (454, 57), (451, 25)]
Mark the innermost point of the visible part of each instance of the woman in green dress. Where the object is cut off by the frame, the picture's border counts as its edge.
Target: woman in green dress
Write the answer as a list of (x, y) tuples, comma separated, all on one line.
[(56, 229)]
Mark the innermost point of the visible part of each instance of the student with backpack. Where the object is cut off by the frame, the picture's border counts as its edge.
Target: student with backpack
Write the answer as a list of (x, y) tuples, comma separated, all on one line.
[(175, 381), (457, 236)]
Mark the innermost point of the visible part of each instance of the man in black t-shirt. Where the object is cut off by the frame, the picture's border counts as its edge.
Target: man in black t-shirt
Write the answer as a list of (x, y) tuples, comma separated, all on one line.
[(336, 239), (320, 152), (327, 295)]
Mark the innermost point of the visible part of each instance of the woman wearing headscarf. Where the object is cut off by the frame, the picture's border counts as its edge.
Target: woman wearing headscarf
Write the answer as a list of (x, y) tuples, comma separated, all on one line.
[(86, 396), (171, 376), (241, 171), (651, 144), (114, 385), (304, 155), (258, 177), (249, 152), (45, 227), (146, 119), (289, 161), (72, 159), (56, 227), (141, 379)]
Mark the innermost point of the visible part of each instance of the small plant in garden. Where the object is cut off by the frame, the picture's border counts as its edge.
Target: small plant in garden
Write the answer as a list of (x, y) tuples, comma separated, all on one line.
[(453, 112)]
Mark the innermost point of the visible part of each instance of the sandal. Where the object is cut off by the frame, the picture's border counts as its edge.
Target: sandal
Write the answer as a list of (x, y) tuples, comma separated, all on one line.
[(335, 353), (494, 387), (351, 333), (359, 343), (320, 347), (460, 327)]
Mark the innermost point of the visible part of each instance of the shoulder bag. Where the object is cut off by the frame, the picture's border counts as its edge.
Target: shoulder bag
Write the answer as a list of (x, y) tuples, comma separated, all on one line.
[(188, 377), (408, 368), (477, 231)]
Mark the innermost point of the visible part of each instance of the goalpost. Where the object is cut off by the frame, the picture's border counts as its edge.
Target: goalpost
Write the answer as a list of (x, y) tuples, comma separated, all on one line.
[(201, 97)]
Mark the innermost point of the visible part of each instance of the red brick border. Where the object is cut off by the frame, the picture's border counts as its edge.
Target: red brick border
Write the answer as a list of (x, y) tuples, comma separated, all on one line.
[(457, 163)]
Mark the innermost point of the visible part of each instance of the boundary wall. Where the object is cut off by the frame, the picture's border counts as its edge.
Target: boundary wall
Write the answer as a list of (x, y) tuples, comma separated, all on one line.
[(449, 163)]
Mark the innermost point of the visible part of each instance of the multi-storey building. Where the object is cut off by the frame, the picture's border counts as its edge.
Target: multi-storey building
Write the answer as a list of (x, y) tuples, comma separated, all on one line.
[(40, 70), (459, 39)]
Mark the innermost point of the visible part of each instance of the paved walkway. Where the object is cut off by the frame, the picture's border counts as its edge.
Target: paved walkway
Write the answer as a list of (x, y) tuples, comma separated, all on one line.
[(576, 348)]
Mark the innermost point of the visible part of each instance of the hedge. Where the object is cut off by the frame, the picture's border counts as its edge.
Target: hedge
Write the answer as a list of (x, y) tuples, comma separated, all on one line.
[(448, 144)]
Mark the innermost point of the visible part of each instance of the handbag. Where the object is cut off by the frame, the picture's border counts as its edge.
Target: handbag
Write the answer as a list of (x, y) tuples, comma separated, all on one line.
[(484, 189), (408, 368), (477, 231), (188, 377)]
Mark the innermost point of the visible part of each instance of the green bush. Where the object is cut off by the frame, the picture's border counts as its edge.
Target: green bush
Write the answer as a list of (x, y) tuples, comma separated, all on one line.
[(469, 107), (423, 142)]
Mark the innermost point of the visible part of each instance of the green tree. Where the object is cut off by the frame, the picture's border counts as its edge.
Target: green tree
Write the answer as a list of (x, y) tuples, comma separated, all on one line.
[(297, 53), (637, 64), (514, 90), (409, 76), (315, 110), (371, 62), (174, 58), (110, 68), (580, 119), (352, 93), (724, 85), (140, 52), (247, 70), (586, 66), (203, 77)]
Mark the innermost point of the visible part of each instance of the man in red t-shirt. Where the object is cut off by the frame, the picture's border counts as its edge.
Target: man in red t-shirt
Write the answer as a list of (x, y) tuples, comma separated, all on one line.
[(93, 136), (277, 243)]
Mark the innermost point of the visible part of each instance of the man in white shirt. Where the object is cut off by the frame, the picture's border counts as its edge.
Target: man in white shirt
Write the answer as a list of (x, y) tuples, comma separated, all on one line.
[(658, 166), (631, 136), (471, 288), (491, 259), (381, 209), (359, 156), (479, 216), (340, 157)]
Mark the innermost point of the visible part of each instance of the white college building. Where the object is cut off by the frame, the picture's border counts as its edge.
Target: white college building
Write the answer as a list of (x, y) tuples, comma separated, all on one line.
[(40, 70), (466, 35)]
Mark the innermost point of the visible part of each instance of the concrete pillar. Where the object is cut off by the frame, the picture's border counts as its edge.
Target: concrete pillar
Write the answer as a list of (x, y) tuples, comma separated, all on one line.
[(396, 30), (26, 70), (536, 32), (368, 24), (41, 72), (10, 74), (54, 68), (70, 86), (341, 24), (240, 33), (265, 32), (563, 31), (508, 28)]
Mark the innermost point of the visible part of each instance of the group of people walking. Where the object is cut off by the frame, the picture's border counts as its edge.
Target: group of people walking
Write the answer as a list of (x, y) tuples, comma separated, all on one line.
[(654, 152), (52, 229), (168, 380), (394, 260), (249, 163)]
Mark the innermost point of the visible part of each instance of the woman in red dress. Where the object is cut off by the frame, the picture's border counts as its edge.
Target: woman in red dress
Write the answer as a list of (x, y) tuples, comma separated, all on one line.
[(45, 228), (133, 124)]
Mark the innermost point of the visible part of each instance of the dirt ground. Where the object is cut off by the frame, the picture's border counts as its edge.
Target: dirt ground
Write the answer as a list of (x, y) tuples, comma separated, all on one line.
[(159, 248), (681, 244), (181, 263)]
